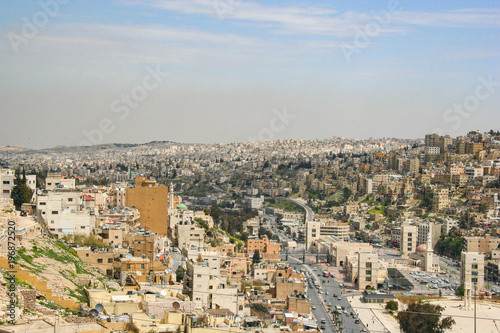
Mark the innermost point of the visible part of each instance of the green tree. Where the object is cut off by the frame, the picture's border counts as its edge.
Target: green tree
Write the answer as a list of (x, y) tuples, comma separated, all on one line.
[(256, 257), (392, 305), (422, 317), (20, 193), (460, 290), (179, 273), (201, 223), (216, 213), (259, 307), (427, 200)]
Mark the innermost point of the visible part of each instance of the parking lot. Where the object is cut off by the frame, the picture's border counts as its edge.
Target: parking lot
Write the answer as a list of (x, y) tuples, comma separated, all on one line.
[(429, 281)]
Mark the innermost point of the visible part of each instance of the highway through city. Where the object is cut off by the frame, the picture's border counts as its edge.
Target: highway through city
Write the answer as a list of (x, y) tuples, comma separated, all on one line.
[(309, 211), (330, 292)]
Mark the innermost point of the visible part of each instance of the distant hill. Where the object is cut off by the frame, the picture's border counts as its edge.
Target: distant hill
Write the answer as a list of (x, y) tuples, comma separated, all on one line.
[(13, 149)]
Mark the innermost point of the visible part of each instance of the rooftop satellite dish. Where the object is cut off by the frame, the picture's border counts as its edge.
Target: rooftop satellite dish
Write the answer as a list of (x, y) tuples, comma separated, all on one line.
[(94, 313), (99, 307), (139, 273), (237, 319), (163, 292), (176, 305)]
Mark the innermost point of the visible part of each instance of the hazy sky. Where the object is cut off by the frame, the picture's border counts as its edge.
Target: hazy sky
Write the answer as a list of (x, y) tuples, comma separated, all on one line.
[(78, 72)]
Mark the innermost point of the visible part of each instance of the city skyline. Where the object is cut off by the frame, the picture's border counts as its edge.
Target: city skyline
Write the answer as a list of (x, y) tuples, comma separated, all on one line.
[(226, 71)]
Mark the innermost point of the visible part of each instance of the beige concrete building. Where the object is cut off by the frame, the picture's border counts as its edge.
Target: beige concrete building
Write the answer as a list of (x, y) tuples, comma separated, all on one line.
[(367, 270), (408, 239), (471, 275), (440, 199), (339, 251), (481, 244), (315, 230), (298, 303), (190, 238), (291, 285)]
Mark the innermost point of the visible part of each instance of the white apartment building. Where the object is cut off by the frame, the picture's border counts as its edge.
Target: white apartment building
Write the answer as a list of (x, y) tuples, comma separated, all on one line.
[(190, 237), (206, 286), (255, 203), (449, 224), (55, 180), (473, 172), (316, 230), (428, 228), (7, 177), (432, 150), (65, 212)]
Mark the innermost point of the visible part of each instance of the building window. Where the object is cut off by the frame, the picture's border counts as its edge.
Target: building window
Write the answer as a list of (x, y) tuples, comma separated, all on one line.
[(6, 191), (110, 260), (474, 266), (128, 266), (6, 182), (54, 212), (43, 203), (82, 227), (142, 266), (70, 199), (99, 260)]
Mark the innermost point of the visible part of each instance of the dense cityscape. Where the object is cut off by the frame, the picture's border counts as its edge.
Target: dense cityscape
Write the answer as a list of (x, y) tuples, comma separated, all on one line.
[(334, 235), (249, 166)]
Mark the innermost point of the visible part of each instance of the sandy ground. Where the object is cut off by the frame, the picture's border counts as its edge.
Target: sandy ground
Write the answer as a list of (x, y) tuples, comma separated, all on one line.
[(487, 316)]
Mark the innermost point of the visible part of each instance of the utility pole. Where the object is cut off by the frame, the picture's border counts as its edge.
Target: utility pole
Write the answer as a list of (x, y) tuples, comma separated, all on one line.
[(475, 296)]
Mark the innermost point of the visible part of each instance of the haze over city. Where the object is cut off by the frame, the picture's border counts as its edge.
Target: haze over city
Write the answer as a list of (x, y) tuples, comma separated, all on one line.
[(226, 69)]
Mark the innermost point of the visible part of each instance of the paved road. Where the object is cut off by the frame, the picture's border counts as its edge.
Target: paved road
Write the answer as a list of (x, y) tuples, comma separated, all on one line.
[(309, 211), (331, 286), (176, 260), (320, 310)]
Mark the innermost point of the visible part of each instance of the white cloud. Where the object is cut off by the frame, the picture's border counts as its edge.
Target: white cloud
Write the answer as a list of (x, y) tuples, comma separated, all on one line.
[(324, 21)]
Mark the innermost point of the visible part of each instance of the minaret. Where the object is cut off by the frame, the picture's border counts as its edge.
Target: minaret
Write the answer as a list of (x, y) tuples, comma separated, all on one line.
[(429, 254), (171, 196)]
